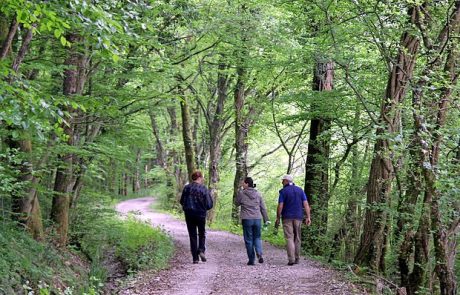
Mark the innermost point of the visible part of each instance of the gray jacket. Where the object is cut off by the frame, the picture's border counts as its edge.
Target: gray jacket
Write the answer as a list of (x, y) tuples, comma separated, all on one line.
[(252, 204)]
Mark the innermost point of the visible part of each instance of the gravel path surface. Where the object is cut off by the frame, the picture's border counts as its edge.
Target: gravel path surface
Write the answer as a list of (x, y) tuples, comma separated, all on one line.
[(226, 271)]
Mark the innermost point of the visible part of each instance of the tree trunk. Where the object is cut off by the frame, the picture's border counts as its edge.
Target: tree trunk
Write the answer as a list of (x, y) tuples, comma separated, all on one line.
[(7, 41), (241, 145), (160, 154), (25, 205), (349, 231), (175, 159), (64, 175), (371, 247), (187, 137), (215, 138), (137, 174), (316, 170)]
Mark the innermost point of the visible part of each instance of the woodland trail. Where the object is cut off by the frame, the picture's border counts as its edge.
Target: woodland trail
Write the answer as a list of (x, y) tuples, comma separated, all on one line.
[(225, 271)]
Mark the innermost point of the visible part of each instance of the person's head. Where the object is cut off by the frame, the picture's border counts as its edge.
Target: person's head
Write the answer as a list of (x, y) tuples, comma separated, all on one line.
[(248, 182), (197, 176), (287, 179)]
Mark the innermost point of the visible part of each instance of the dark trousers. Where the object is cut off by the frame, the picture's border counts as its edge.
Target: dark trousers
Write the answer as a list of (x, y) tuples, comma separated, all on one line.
[(196, 245)]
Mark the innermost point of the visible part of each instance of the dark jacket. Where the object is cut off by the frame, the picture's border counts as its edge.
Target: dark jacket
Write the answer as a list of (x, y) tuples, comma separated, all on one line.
[(196, 199), (252, 204)]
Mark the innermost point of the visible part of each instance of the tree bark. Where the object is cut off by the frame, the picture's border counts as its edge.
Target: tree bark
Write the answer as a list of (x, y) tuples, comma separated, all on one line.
[(316, 170), (137, 175), (187, 137), (8, 40), (215, 137), (371, 248), (64, 175), (160, 153), (243, 122), (25, 205), (428, 146)]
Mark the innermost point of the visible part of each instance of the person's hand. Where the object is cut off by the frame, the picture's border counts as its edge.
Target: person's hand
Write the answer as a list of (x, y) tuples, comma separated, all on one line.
[(307, 221), (277, 223)]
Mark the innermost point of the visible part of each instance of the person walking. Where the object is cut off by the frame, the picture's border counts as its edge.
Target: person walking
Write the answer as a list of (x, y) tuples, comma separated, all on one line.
[(252, 211), (196, 201), (291, 202)]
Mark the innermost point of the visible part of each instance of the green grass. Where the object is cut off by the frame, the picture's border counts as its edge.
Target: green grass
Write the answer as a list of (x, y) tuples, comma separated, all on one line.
[(26, 265), (99, 230)]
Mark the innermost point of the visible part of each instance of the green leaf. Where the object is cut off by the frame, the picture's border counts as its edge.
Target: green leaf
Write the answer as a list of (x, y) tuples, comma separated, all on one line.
[(57, 33), (63, 41)]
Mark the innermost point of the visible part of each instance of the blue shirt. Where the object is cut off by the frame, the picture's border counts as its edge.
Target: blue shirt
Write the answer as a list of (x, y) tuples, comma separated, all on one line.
[(292, 198)]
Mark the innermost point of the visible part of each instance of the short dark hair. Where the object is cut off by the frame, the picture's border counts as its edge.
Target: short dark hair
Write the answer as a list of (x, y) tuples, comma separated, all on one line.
[(250, 182), (197, 174)]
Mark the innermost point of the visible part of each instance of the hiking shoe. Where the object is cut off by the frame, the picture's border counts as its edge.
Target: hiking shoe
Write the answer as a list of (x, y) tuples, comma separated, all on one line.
[(261, 259), (296, 261), (250, 263), (195, 261), (202, 257), (290, 263)]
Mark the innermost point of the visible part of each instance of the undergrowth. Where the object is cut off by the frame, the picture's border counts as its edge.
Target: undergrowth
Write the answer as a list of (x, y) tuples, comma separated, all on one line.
[(98, 230), (27, 265)]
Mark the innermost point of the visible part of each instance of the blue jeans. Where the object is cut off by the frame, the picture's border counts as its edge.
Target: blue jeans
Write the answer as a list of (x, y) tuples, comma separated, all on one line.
[(251, 233)]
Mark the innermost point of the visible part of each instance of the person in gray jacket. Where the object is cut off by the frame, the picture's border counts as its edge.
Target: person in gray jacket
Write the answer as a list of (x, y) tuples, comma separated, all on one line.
[(252, 211)]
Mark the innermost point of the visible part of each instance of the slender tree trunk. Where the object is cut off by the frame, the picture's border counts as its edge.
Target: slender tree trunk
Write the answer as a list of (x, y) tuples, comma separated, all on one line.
[(8, 40), (25, 204), (187, 137), (349, 230), (160, 154), (371, 248), (215, 134), (316, 172), (137, 173), (175, 158), (241, 145)]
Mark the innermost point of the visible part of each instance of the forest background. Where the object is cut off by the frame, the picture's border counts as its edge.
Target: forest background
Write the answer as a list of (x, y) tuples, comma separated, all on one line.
[(357, 99)]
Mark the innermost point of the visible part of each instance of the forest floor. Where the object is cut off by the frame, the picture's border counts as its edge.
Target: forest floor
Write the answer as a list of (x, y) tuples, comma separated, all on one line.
[(225, 271)]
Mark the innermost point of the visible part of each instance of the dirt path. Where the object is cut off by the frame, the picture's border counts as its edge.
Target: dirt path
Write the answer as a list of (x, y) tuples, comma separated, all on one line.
[(226, 271)]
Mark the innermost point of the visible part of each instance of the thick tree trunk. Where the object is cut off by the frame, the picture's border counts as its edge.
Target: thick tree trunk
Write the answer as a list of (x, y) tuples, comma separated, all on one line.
[(64, 175), (187, 137), (371, 249), (316, 170)]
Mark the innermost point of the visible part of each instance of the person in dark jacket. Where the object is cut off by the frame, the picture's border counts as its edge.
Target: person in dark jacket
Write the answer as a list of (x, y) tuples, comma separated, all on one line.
[(252, 211), (196, 201), (291, 203)]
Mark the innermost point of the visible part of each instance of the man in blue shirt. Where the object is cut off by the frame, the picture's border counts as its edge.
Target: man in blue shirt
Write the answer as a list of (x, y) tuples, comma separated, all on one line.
[(291, 203)]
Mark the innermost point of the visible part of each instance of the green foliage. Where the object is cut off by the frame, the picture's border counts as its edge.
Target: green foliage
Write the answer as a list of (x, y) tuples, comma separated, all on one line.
[(102, 235), (26, 264)]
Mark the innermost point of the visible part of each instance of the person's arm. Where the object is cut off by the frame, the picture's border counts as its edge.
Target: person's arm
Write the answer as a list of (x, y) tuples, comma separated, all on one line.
[(278, 214), (263, 209), (209, 200), (182, 197), (307, 212), (239, 198)]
